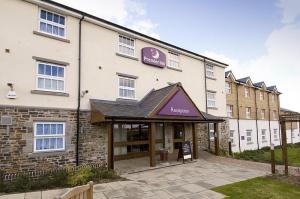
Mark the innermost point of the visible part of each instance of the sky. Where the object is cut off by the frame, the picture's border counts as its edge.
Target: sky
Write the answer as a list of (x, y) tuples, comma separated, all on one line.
[(257, 38)]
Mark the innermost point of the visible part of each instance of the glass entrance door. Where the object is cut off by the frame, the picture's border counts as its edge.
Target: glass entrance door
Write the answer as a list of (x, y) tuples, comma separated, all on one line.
[(178, 135)]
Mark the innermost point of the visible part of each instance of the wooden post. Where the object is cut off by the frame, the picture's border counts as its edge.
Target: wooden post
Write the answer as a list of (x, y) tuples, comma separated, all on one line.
[(284, 147), (195, 142), (152, 144), (216, 130), (110, 151), (90, 191), (272, 159), (230, 148)]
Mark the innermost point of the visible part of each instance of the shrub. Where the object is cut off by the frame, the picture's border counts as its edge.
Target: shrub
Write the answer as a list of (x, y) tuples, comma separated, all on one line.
[(104, 173), (80, 177), (22, 183)]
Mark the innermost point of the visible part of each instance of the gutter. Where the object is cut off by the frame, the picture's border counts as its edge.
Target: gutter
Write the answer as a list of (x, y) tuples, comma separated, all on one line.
[(79, 94)]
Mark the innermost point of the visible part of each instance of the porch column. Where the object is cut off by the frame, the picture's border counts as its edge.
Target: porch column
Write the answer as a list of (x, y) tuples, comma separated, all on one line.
[(283, 147), (110, 150), (216, 131), (152, 144), (195, 142)]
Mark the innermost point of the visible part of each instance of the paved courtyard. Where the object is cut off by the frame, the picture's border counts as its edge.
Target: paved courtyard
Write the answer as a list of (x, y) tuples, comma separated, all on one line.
[(191, 180)]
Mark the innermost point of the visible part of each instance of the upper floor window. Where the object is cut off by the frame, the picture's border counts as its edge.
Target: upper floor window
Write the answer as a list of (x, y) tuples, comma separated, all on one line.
[(49, 136), (249, 136), (173, 60), (247, 92), (263, 114), (228, 87), (274, 115), (126, 88), (209, 70), (229, 110), (126, 46), (261, 95), (211, 99), (50, 77), (248, 112), (52, 23), (273, 98)]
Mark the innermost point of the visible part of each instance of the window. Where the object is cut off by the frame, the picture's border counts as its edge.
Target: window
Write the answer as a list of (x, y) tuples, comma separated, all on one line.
[(50, 77), (126, 46), (261, 95), (275, 134), (229, 110), (248, 112), (263, 114), (228, 88), (126, 88), (211, 127), (247, 92), (52, 23), (209, 70), (174, 60), (273, 98), (263, 135), (274, 115), (248, 135), (49, 136), (231, 136), (211, 99)]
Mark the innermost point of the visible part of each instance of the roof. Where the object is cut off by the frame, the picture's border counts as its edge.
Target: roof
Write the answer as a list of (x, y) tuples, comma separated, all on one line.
[(259, 84), (144, 108), (244, 80), (129, 30), (287, 110), (227, 73), (272, 88)]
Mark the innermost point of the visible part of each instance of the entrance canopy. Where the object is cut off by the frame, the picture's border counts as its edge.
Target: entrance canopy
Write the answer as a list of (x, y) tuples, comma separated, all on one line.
[(289, 115), (170, 103)]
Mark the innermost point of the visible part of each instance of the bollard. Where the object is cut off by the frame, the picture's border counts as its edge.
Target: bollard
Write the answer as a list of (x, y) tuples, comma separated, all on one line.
[(272, 159)]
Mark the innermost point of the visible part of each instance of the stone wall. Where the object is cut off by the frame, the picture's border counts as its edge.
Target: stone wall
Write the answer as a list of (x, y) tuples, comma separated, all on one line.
[(17, 140)]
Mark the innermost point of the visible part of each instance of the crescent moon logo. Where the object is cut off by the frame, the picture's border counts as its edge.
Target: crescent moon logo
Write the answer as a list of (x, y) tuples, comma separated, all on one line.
[(155, 54)]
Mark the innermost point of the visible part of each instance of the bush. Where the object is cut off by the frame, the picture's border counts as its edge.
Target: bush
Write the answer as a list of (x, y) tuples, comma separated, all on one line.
[(104, 173), (80, 177)]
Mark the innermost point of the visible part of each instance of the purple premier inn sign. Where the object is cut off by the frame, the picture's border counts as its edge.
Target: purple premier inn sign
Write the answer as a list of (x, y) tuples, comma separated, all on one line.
[(179, 105), (153, 57)]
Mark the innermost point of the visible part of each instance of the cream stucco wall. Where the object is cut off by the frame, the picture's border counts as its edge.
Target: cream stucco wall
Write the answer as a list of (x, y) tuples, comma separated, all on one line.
[(99, 48)]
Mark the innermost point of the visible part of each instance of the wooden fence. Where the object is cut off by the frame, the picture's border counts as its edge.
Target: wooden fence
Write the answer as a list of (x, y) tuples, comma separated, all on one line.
[(80, 192)]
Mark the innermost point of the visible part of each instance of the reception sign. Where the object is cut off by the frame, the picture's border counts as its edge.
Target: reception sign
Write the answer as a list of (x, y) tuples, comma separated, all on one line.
[(179, 105), (154, 57)]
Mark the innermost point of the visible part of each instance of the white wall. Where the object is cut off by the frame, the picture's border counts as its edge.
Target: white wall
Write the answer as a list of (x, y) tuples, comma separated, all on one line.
[(263, 124), (233, 125)]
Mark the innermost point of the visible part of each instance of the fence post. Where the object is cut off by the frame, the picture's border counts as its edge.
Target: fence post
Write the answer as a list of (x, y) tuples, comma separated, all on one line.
[(91, 190), (272, 159)]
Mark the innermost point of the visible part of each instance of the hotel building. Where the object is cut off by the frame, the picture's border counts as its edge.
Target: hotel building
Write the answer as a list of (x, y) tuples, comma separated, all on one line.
[(76, 89)]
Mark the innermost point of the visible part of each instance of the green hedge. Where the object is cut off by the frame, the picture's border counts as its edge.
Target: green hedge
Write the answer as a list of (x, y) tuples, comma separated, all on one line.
[(60, 179)]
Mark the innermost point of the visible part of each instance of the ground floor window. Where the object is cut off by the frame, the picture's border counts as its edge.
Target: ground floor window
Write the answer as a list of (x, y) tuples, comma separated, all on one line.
[(263, 135), (275, 134), (49, 136), (231, 136), (249, 136)]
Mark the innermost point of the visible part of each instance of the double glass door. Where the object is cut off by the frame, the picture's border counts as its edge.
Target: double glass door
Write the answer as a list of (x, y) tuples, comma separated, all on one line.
[(178, 135)]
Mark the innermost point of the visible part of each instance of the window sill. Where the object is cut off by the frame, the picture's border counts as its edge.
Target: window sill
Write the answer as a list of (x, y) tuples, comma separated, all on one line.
[(212, 78), (51, 36), (176, 69), (249, 143), (47, 153), (127, 56), (212, 108), (41, 92)]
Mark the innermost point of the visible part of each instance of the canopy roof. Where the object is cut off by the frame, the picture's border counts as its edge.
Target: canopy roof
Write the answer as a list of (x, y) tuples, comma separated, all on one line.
[(170, 103)]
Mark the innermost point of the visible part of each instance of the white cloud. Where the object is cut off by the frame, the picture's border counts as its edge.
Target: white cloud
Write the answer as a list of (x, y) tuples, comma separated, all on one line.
[(129, 13), (290, 10)]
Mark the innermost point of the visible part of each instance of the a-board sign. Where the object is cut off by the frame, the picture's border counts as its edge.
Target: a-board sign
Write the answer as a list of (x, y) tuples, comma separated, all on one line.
[(186, 150)]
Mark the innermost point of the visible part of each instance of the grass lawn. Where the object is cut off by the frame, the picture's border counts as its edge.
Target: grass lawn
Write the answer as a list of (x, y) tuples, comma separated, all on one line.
[(263, 188), (264, 155)]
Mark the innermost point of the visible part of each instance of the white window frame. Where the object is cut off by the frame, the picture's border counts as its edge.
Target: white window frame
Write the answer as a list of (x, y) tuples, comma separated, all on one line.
[(171, 58), (275, 134), (264, 135), (126, 45), (49, 136), (52, 23), (231, 136), (263, 114), (249, 136), (261, 96), (248, 112), (229, 110), (50, 77), (228, 87), (127, 88), (211, 102), (209, 70), (247, 92), (211, 128)]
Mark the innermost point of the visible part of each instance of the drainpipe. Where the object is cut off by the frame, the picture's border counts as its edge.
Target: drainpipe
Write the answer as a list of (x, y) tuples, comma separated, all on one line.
[(206, 109), (291, 132), (79, 93), (256, 120), (279, 130), (238, 114)]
